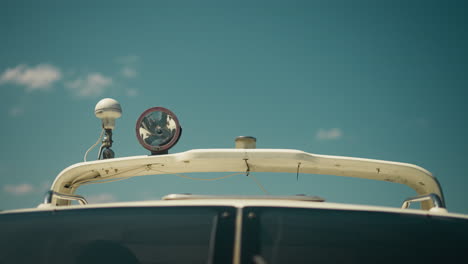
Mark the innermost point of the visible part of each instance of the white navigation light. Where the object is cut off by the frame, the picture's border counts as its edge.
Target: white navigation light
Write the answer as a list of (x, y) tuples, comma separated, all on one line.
[(246, 142), (158, 130), (108, 110)]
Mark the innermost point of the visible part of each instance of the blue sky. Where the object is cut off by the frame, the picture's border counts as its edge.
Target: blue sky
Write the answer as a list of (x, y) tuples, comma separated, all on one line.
[(372, 79)]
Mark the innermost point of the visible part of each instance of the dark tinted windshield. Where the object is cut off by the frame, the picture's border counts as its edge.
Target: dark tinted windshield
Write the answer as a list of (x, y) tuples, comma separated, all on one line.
[(289, 235), (119, 235)]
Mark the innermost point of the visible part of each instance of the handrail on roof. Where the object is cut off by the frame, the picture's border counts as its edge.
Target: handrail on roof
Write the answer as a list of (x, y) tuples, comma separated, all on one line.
[(257, 160), (436, 200), (69, 197)]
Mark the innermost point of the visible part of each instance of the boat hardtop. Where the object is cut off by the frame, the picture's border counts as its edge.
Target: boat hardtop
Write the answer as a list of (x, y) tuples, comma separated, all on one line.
[(244, 161), (239, 229), (158, 129)]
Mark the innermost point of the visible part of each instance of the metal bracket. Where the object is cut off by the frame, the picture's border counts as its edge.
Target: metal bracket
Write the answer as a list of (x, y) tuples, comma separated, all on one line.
[(432, 197), (105, 150), (51, 194)]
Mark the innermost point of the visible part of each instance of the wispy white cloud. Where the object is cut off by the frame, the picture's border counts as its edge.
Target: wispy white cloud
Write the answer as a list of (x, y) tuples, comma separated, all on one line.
[(128, 62), (94, 84), (16, 111), (101, 198), (40, 77), (132, 92), (329, 134), (128, 72), (20, 189)]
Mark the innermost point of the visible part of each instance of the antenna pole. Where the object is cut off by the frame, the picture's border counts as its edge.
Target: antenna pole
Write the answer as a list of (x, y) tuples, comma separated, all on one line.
[(105, 150)]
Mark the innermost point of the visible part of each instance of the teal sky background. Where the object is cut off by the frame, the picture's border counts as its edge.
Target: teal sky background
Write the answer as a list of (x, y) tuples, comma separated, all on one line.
[(372, 79)]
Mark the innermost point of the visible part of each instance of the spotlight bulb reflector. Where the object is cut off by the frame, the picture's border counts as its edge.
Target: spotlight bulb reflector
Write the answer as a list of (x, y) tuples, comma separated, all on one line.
[(158, 130)]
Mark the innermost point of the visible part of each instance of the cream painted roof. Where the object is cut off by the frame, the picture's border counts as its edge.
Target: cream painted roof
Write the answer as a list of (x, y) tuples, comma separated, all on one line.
[(242, 160)]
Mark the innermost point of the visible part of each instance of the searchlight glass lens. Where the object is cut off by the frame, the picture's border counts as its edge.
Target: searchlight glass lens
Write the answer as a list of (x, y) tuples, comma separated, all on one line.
[(158, 129)]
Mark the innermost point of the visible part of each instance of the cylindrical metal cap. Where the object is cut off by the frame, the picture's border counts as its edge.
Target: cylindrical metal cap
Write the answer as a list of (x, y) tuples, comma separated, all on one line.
[(245, 142)]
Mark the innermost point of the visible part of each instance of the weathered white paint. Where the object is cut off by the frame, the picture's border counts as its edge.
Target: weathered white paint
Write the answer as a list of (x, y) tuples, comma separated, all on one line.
[(234, 160)]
